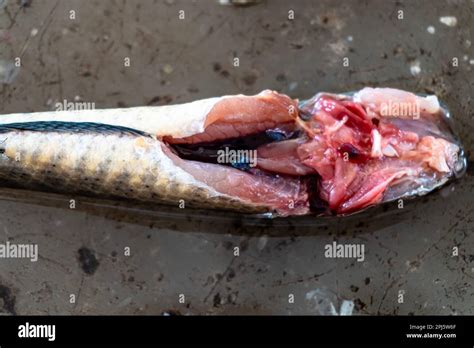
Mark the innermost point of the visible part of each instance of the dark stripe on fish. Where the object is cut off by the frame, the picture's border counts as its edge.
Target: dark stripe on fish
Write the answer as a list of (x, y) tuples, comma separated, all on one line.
[(70, 127)]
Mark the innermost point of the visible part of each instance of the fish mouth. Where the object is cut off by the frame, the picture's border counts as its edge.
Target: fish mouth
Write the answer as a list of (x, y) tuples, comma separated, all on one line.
[(334, 154)]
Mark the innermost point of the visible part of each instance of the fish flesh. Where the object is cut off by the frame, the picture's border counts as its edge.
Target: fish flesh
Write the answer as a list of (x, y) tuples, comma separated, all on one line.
[(334, 154)]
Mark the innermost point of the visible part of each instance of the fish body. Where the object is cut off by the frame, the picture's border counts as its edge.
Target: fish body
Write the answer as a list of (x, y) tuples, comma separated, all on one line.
[(339, 150), (112, 163)]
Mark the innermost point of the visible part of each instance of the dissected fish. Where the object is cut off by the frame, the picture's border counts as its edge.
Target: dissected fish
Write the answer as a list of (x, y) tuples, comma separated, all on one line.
[(332, 154)]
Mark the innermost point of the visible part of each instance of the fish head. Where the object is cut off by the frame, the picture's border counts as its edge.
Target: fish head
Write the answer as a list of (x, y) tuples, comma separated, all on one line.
[(379, 145)]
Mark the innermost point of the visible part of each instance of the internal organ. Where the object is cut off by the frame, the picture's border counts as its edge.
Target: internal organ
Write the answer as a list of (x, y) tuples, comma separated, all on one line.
[(356, 156)]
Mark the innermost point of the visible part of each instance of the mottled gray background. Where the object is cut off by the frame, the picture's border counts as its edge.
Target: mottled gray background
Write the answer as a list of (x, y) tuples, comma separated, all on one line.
[(172, 61)]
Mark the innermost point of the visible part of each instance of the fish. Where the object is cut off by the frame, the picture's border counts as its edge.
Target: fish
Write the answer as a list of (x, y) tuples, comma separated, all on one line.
[(332, 154)]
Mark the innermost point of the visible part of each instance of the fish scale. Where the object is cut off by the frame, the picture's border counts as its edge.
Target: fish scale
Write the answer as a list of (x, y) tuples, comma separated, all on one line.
[(102, 162)]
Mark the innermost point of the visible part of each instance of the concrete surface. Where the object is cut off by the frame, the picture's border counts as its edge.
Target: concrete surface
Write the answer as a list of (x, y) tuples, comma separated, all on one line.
[(408, 251)]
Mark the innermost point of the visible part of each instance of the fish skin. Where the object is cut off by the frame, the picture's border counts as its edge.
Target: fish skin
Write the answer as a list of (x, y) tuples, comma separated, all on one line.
[(156, 120), (105, 164)]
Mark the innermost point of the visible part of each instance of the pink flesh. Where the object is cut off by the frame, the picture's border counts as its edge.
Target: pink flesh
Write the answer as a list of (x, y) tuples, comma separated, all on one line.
[(238, 116), (282, 157), (344, 175), (368, 189), (287, 196), (370, 192)]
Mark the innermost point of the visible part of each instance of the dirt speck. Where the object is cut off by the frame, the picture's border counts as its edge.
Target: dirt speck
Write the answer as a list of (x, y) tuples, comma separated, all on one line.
[(281, 77), (216, 301), (359, 305), (354, 288), (7, 300), (87, 260), (193, 89), (230, 274), (249, 79), (160, 100), (216, 67), (225, 73), (296, 46)]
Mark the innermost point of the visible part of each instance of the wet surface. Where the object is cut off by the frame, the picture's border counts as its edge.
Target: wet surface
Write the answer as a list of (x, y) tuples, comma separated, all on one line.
[(128, 262)]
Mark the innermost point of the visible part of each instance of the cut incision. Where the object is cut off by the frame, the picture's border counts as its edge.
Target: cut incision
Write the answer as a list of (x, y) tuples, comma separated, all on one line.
[(288, 196), (238, 116), (354, 151)]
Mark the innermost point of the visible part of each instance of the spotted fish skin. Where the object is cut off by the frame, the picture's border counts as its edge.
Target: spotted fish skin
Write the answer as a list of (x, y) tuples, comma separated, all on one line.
[(102, 160)]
